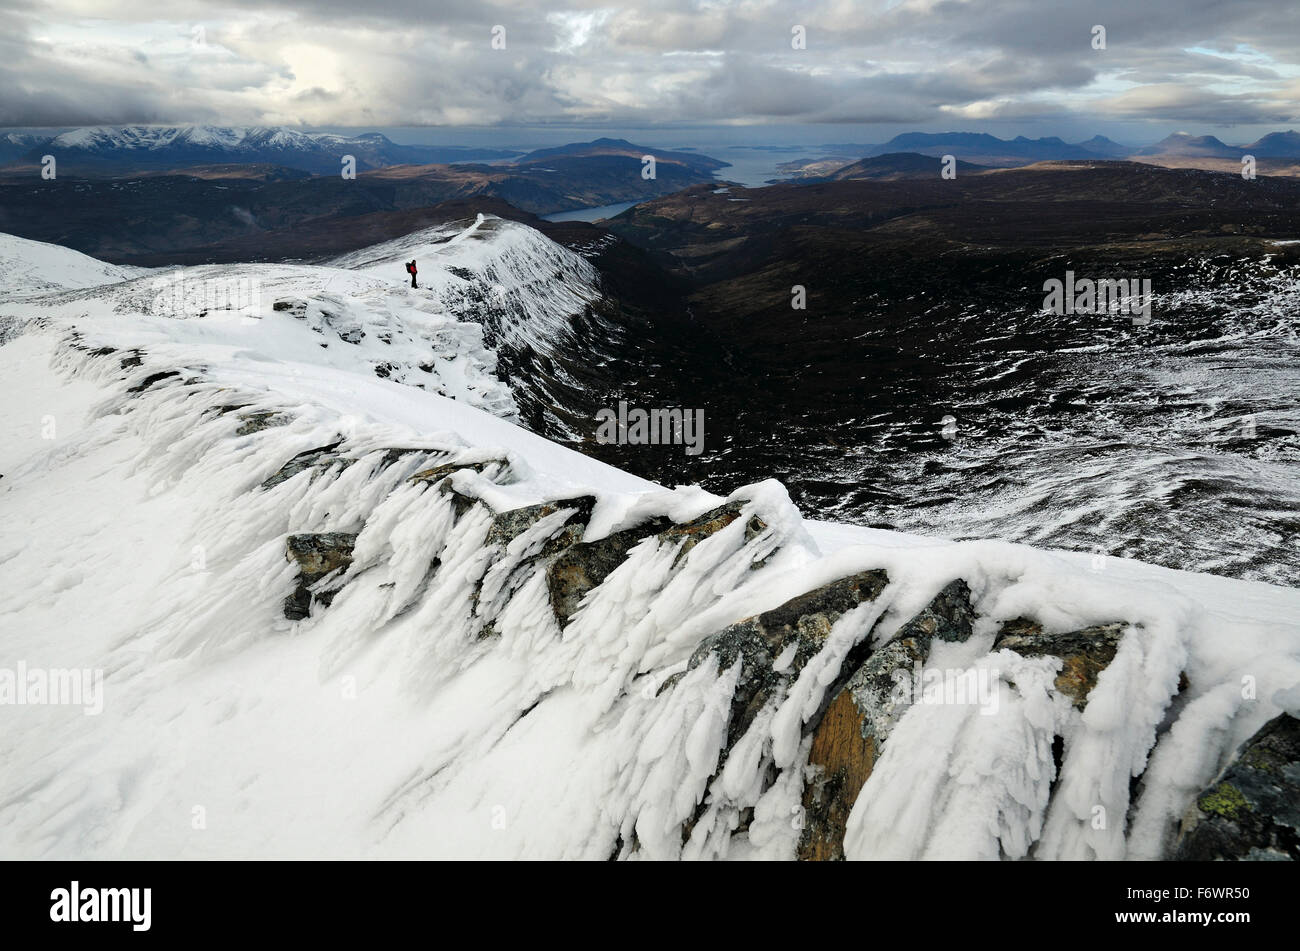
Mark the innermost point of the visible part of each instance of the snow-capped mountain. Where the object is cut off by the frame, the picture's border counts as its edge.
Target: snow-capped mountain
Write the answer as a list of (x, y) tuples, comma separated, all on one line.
[(16, 144), (292, 571), (142, 146)]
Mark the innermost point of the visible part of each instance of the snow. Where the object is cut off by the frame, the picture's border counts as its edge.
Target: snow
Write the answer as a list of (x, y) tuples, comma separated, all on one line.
[(34, 267), (388, 725), (220, 138), (531, 287)]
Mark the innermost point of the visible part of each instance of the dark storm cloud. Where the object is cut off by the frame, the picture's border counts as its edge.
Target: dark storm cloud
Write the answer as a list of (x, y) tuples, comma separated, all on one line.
[(412, 62)]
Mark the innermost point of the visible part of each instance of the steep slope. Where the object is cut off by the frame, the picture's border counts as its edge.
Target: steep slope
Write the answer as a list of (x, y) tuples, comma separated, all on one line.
[(332, 615), (34, 267), (924, 300)]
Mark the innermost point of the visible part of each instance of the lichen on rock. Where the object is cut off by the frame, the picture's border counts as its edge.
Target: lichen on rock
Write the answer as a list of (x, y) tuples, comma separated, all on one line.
[(1252, 809)]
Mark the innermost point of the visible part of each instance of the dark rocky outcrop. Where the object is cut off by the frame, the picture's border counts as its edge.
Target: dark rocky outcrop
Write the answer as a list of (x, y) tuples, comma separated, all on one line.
[(309, 459), (843, 757), (294, 306), (151, 379), (1085, 653), (318, 555), (256, 422), (851, 732), (498, 467), (509, 525), (804, 622), (1252, 809), (324, 456), (585, 565), (710, 523)]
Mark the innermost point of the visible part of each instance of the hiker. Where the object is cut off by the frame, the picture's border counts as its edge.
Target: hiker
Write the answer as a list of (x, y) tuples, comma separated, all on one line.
[(411, 270)]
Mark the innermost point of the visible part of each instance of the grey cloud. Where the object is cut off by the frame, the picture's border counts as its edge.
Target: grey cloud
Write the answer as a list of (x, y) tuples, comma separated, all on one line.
[(336, 62)]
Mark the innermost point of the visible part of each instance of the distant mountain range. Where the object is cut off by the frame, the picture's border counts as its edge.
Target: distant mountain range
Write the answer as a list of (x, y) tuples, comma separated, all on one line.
[(895, 166), (985, 149), (1273, 145), (117, 150), (102, 150), (138, 148), (981, 149), (234, 211), (603, 148), (14, 145)]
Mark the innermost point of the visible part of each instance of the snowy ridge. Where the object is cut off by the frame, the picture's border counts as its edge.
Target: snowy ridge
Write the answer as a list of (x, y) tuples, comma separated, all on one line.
[(518, 651), (519, 284), (485, 283)]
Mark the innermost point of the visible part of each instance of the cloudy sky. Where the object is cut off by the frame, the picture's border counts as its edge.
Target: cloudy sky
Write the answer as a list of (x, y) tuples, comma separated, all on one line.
[(870, 67)]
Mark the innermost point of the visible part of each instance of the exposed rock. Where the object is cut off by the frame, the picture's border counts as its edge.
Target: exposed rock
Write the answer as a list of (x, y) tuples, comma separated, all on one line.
[(256, 422), (804, 621), (844, 759), (1085, 653), (309, 459), (509, 525), (710, 523), (949, 617), (1252, 809), (295, 306), (438, 473), (151, 379), (585, 565), (460, 503), (317, 555), (851, 733), (498, 470)]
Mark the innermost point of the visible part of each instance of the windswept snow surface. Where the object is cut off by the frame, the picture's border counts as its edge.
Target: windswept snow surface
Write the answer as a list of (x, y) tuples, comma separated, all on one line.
[(139, 542), (33, 267)]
